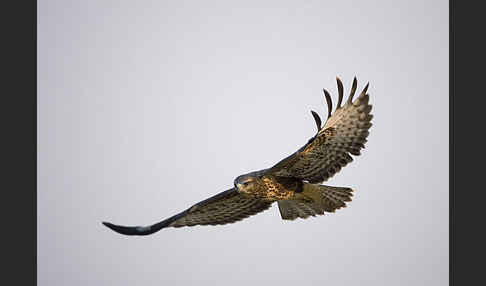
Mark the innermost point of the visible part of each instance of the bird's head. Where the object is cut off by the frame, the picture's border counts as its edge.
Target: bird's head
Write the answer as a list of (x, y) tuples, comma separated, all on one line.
[(246, 183)]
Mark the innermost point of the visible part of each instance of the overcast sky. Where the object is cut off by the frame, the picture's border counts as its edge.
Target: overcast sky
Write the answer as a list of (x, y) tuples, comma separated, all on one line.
[(147, 107)]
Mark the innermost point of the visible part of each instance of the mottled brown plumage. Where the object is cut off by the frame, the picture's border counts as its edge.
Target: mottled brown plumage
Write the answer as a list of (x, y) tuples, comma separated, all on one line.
[(343, 134), (292, 182)]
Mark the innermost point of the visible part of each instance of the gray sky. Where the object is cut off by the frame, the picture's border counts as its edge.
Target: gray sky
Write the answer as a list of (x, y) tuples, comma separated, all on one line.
[(147, 107)]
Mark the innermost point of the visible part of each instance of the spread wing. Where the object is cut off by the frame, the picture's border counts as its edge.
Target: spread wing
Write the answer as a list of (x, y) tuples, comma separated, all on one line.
[(344, 134), (226, 207)]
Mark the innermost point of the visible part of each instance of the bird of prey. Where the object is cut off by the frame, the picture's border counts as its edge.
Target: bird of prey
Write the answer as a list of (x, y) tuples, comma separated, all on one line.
[(294, 182)]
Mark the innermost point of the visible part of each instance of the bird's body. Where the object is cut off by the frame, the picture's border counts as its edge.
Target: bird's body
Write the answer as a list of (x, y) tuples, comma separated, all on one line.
[(294, 182), (293, 195), (268, 187)]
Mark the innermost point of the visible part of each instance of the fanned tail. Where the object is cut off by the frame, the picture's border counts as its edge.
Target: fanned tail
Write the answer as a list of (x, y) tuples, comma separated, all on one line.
[(315, 200)]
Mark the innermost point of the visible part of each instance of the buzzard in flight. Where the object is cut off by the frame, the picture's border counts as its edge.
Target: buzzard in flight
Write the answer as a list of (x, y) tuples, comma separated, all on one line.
[(294, 182)]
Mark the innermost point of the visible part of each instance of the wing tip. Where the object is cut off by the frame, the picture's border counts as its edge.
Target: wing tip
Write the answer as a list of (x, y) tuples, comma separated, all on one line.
[(129, 230), (108, 225), (317, 120), (114, 227), (328, 101), (365, 89), (353, 90), (340, 92)]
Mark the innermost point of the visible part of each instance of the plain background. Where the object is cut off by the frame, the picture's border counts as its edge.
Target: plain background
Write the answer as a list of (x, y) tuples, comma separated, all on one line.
[(147, 107)]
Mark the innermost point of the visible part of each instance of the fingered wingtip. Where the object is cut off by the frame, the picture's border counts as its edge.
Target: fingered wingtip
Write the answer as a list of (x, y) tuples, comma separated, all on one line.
[(365, 89), (340, 92), (355, 85), (353, 90), (317, 119), (329, 102)]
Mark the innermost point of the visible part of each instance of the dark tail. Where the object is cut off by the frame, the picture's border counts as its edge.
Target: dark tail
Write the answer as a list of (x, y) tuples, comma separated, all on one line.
[(142, 230)]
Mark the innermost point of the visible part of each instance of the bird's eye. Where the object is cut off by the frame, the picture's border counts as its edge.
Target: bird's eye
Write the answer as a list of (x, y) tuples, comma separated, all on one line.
[(246, 183)]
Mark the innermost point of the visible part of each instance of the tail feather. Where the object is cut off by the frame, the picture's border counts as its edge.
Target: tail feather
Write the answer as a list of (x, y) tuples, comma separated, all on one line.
[(315, 200)]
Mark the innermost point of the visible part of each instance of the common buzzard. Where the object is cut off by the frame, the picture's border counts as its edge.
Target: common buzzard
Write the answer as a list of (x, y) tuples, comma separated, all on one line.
[(293, 182)]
